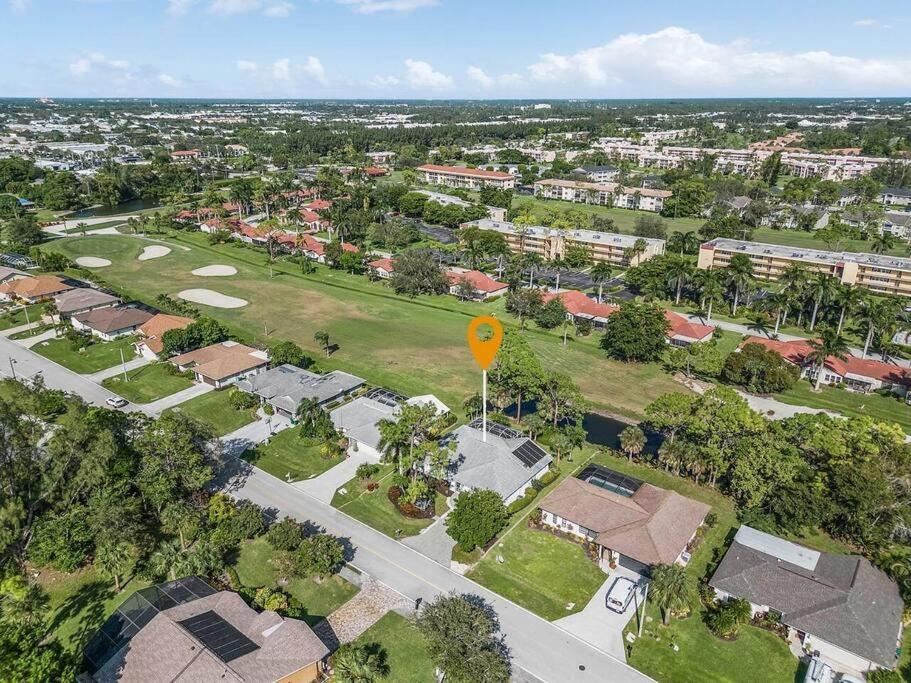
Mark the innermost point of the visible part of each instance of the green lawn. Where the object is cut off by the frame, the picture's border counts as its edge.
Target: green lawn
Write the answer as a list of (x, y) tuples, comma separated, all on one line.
[(807, 240), (289, 454), (93, 358), (404, 648), (254, 569), (374, 509), (413, 346), (849, 403), (214, 409), (148, 383), (25, 334), (21, 316), (81, 601), (541, 572)]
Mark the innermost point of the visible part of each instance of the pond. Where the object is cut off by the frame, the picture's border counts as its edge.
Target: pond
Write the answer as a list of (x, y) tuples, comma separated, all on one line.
[(126, 207)]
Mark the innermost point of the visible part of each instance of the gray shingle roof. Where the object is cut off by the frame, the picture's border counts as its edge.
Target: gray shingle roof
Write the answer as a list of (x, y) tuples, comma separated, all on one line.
[(82, 298), (491, 465), (842, 599), (286, 386), (359, 418)]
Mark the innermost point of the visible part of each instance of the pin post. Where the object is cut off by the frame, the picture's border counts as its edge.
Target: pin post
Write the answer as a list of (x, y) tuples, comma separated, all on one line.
[(484, 351)]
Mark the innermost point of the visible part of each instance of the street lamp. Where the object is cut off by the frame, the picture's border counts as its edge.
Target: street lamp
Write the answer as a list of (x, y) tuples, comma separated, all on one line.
[(12, 363)]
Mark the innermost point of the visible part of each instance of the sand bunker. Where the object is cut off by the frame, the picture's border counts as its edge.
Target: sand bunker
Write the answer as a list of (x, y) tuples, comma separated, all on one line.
[(215, 271), (211, 298), (156, 251), (92, 262)]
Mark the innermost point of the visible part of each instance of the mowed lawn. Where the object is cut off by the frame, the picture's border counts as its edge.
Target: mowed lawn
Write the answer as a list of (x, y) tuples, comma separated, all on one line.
[(21, 316), (374, 508), (215, 410), (887, 408), (290, 457), (148, 383), (414, 346), (255, 569), (93, 358), (403, 647)]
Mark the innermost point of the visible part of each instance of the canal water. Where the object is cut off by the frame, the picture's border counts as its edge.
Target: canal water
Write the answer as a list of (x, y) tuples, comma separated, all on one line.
[(126, 207)]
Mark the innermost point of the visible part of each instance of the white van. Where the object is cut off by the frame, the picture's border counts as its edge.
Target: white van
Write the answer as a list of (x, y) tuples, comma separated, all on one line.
[(620, 594)]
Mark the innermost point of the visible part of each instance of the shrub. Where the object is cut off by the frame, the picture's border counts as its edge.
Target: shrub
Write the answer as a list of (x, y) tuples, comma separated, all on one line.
[(711, 520), (726, 621), (367, 470), (478, 517), (320, 555), (270, 599), (287, 535), (246, 522), (62, 541), (884, 676), (521, 503), (548, 477), (241, 400), (759, 370)]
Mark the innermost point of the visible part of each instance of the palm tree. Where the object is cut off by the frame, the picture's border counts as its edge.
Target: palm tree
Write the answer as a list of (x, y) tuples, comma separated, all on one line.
[(394, 438), (883, 242), (562, 444), (634, 252), (739, 276), (829, 345), (710, 290), (50, 309), (166, 558), (358, 664), (779, 302), (533, 262), (559, 265), (794, 280), (112, 559), (671, 589), (679, 271), (632, 441), (821, 289), (321, 337), (684, 242), (849, 298), (600, 273)]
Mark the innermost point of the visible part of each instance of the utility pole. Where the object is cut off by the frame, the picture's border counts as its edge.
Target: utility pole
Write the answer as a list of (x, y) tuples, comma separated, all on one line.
[(27, 321), (124, 366), (12, 363), (642, 618)]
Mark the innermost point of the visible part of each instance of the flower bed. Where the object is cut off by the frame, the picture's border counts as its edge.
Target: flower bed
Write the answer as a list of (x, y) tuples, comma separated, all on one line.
[(407, 509)]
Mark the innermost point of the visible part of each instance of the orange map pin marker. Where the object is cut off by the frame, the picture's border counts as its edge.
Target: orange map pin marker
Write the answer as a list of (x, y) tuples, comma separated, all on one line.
[(484, 350)]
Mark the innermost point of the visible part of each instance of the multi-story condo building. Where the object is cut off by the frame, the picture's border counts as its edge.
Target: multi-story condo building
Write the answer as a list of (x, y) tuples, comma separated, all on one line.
[(598, 174), (896, 196), (471, 178), (605, 194), (550, 243), (880, 274)]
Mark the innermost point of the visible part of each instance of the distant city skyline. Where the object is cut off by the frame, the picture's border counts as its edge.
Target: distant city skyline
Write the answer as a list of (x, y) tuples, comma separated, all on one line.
[(412, 49)]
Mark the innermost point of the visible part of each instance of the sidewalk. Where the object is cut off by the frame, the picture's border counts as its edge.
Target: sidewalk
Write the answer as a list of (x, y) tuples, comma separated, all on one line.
[(156, 408), (29, 342), (102, 375)]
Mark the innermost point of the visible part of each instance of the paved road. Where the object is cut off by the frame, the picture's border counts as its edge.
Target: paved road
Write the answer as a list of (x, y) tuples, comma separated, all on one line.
[(544, 650)]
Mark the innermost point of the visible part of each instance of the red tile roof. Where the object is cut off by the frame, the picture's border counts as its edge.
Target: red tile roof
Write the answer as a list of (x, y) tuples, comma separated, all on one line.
[(796, 352), (681, 327), (576, 303), (376, 171), (386, 264), (459, 170), (480, 281), (318, 205)]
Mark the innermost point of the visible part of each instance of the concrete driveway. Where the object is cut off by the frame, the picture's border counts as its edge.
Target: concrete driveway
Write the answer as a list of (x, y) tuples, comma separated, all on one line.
[(324, 486), (600, 626)]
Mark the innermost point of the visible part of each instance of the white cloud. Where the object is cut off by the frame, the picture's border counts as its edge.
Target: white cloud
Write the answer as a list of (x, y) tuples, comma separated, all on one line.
[(279, 9), (283, 74), (384, 81), (865, 22), (281, 69), (676, 61), (246, 65), (95, 61), (180, 7), (234, 6), (314, 69), (423, 75), (373, 6), (486, 81), (170, 81), (19, 6)]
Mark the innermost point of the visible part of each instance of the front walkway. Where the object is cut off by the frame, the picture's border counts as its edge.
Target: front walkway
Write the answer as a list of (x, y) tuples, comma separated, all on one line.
[(102, 375), (434, 542), (29, 342), (156, 408), (21, 328), (324, 486), (600, 626), (253, 434)]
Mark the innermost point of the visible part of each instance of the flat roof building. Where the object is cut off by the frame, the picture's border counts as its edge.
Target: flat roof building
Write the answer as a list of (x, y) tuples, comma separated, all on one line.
[(603, 194), (471, 178), (880, 274)]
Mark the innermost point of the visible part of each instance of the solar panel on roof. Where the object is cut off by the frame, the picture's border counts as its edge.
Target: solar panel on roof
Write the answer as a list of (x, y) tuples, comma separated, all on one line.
[(529, 453), (219, 636)]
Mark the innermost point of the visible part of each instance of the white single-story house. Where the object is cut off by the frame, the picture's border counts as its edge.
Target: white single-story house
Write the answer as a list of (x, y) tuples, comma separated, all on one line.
[(222, 364), (111, 322), (285, 387), (82, 300)]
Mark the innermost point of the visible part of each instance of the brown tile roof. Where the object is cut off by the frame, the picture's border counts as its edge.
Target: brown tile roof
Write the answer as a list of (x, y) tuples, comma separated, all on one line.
[(154, 328), (652, 526), (480, 281), (35, 287), (113, 318), (222, 360), (164, 650)]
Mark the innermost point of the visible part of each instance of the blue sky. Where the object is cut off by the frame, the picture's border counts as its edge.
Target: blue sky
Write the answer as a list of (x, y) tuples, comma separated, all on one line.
[(454, 48)]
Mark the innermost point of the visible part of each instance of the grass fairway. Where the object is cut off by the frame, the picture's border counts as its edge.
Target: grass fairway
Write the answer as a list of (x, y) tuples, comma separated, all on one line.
[(94, 358), (254, 569), (21, 316), (807, 240), (374, 509), (81, 601), (148, 383), (414, 346), (541, 572), (215, 410), (403, 644), (288, 453), (849, 403)]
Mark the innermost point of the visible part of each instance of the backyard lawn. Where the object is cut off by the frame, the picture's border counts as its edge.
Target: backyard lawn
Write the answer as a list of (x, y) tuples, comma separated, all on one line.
[(413, 346), (215, 410), (624, 219), (254, 569), (403, 645), (849, 403), (147, 383), (92, 358), (21, 316), (374, 509), (540, 572), (289, 454), (81, 601)]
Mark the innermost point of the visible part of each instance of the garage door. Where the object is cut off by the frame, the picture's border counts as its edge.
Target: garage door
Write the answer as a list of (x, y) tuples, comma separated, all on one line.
[(633, 565)]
